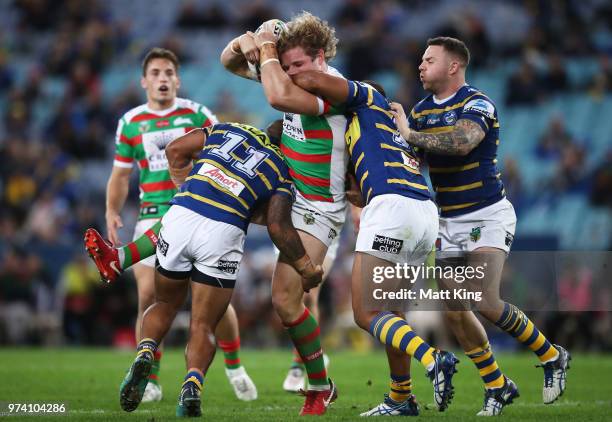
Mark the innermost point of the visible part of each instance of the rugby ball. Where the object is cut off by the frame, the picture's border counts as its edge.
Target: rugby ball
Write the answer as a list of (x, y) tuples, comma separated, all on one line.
[(277, 27)]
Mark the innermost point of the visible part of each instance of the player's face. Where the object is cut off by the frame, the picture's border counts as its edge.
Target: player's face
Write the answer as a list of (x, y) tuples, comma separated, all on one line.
[(296, 60), (161, 82), (434, 67)]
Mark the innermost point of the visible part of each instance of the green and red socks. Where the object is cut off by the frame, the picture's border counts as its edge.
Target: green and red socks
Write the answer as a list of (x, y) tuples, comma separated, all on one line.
[(305, 335), (139, 249), (231, 351), (154, 375)]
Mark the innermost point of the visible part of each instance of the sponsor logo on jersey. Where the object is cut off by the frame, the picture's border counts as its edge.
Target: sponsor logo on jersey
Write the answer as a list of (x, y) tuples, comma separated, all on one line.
[(433, 119), (292, 127), (144, 127), (332, 234), (183, 121), (450, 117), (162, 123), (482, 107), (154, 144), (229, 267), (410, 162), (509, 239), (309, 219), (475, 234), (221, 179), (387, 244), (162, 245)]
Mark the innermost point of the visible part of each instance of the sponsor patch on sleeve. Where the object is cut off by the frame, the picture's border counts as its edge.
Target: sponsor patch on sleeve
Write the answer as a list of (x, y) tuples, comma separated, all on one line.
[(480, 106)]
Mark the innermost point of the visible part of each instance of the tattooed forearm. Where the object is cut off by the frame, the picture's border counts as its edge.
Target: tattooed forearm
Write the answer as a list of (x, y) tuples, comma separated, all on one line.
[(281, 230), (464, 137)]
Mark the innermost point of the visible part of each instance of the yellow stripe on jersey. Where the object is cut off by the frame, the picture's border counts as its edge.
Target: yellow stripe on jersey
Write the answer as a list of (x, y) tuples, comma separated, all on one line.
[(442, 129), (496, 124), (458, 206), (460, 188), (406, 182), (370, 95), (359, 160), (385, 127), (369, 193), (229, 173), (365, 175), (404, 166), (284, 190), (211, 202), (454, 169), (441, 110), (276, 170), (497, 142), (387, 146), (382, 110), (264, 179), (218, 186), (219, 131), (353, 134)]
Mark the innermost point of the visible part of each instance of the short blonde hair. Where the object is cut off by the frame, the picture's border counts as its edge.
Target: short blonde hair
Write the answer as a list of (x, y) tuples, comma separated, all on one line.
[(311, 33)]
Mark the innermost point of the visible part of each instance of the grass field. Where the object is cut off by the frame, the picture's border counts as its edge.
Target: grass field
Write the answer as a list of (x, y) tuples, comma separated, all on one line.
[(88, 379)]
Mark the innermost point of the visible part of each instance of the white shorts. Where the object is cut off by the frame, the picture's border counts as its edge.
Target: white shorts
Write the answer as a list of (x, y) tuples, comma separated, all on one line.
[(398, 229), (189, 240), (492, 226), (314, 219), (141, 227)]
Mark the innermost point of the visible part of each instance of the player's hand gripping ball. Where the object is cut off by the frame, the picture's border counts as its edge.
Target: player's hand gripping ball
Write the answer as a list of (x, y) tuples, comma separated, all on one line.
[(276, 27)]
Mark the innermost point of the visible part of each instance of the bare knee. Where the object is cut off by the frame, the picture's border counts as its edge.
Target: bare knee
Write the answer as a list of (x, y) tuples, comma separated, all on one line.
[(362, 318)]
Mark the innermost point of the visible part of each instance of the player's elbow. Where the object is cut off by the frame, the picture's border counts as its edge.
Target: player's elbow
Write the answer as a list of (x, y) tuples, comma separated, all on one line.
[(278, 99), (306, 80)]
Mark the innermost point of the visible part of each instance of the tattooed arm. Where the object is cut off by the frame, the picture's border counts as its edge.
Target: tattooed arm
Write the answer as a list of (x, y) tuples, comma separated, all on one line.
[(461, 140), (288, 241)]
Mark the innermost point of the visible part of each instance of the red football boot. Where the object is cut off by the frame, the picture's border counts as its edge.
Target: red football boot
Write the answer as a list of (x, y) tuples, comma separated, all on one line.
[(104, 255), (317, 402)]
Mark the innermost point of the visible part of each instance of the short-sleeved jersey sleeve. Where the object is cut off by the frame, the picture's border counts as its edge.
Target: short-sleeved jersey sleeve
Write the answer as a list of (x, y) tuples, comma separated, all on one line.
[(124, 150), (480, 110), (207, 118), (412, 124), (359, 94)]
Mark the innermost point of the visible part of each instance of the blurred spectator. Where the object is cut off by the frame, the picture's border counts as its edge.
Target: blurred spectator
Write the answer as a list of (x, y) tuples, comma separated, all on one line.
[(513, 183), (78, 281), (351, 13), (554, 79), (7, 76), (523, 87), (212, 17), (554, 139), (601, 83), (601, 191), (469, 27), (570, 170), (227, 110), (256, 13)]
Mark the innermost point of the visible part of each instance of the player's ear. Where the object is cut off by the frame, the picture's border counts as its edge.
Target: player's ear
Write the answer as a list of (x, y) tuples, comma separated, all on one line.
[(143, 82), (178, 82)]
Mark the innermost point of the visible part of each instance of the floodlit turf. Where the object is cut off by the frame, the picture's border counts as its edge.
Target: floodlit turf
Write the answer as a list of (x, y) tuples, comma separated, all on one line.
[(87, 380)]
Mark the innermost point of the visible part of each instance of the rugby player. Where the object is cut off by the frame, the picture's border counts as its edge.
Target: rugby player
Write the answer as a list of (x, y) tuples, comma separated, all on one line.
[(142, 135), (237, 170), (458, 127)]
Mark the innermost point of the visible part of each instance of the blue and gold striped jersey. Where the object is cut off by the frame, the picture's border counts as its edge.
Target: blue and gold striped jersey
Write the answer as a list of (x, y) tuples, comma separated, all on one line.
[(237, 170), (384, 163), (462, 183)]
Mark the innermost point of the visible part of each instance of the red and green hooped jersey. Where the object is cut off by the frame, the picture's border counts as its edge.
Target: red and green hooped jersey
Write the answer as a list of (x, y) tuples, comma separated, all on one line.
[(142, 136), (314, 149)]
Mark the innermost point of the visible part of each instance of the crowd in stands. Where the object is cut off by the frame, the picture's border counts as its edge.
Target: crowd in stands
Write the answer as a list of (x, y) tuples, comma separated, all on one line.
[(53, 59)]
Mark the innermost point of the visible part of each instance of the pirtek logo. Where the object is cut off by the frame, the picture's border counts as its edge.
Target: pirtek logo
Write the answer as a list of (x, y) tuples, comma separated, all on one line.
[(162, 123), (220, 178)]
